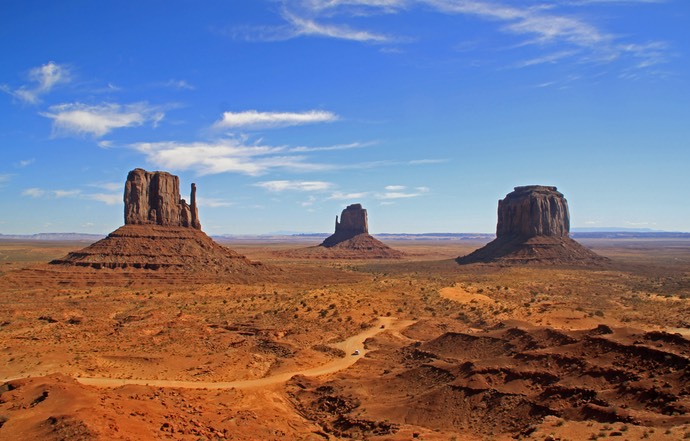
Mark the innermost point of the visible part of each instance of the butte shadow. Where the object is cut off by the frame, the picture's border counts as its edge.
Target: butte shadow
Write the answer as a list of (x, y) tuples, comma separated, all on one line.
[(161, 239), (351, 240), (533, 227)]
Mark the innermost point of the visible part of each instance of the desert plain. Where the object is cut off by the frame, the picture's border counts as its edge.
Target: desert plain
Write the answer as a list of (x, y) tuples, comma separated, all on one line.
[(323, 349)]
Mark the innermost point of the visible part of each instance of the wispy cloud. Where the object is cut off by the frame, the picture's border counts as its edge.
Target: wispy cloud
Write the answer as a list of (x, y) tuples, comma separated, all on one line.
[(25, 162), (280, 186), (106, 198), (99, 120), (426, 161), (309, 27), (43, 78), (109, 186), (33, 192), (338, 195), (353, 145), (36, 192), (109, 198), (552, 27), (179, 84), (213, 202), (4, 178), (223, 156), (252, 119), (401, 192)]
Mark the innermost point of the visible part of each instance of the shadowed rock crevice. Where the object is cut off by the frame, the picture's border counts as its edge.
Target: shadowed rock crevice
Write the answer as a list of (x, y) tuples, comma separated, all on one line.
[(533, 227)]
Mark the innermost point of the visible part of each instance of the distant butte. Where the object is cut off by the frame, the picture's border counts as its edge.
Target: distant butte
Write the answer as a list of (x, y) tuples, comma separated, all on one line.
[(162, 232), (351, 240), (533, 227)]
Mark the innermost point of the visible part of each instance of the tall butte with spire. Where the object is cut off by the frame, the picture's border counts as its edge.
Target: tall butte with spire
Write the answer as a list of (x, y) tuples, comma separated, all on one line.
[(351, 237), (162, 232), (533, 227)]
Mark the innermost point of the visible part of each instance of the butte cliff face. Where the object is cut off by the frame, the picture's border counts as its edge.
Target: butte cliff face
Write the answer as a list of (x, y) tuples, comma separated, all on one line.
[(534, 210), (533, 227), (162, 233), (153, 198), (353, 221)]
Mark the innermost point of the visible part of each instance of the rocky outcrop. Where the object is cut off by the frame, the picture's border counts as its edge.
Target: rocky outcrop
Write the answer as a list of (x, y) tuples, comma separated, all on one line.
[(533, 210), (351, 240), (353, 221), (161, 235), (533, 227), (153, 198)]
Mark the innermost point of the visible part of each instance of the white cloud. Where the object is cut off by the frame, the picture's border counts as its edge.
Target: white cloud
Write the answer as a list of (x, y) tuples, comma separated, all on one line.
[(279, 186), (110, 186), (33, 192), (25, 162), (398, 192), (345, 196), (306, 26), (45, 78), (178, 84), (229, 155), (99, 120), (353, 145), (106, 198), (426, 161), (213, 203), (65, 193), (309, 202), (546, 24), (252, 119)]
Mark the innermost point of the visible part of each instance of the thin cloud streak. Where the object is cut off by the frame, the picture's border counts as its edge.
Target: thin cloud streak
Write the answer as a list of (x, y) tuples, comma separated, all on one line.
[(252, 119), (542, 25), (280, 186)]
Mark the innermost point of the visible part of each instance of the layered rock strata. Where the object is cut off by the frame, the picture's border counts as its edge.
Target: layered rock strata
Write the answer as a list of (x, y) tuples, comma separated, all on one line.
[(533, 227), (163, 233), (153, 198)]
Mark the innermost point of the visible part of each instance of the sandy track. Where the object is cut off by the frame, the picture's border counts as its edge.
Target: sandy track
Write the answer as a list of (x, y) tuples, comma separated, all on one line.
[(356, 342)]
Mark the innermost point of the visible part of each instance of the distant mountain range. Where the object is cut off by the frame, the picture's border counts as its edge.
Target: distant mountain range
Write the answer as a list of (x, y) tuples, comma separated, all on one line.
[(67, 237), (582, 233)]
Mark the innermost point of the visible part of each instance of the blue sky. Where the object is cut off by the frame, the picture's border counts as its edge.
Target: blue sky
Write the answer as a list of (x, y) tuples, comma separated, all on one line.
[(283, 112)]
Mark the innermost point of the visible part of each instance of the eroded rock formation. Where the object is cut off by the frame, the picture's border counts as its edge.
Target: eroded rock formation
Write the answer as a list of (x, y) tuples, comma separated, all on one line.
[(154, 198), (533, 227), (351, 240), (353, 221), (162, 233), (533, 210)]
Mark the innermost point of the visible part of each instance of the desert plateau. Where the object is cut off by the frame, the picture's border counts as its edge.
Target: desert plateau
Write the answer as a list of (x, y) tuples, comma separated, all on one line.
[(159, 332)]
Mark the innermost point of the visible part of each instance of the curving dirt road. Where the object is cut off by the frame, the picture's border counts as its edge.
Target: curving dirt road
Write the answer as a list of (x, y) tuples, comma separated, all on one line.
[(356, 342)]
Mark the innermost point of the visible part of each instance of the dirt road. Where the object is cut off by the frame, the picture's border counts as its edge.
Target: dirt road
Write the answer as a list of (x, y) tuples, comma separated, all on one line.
[(356, 342)]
